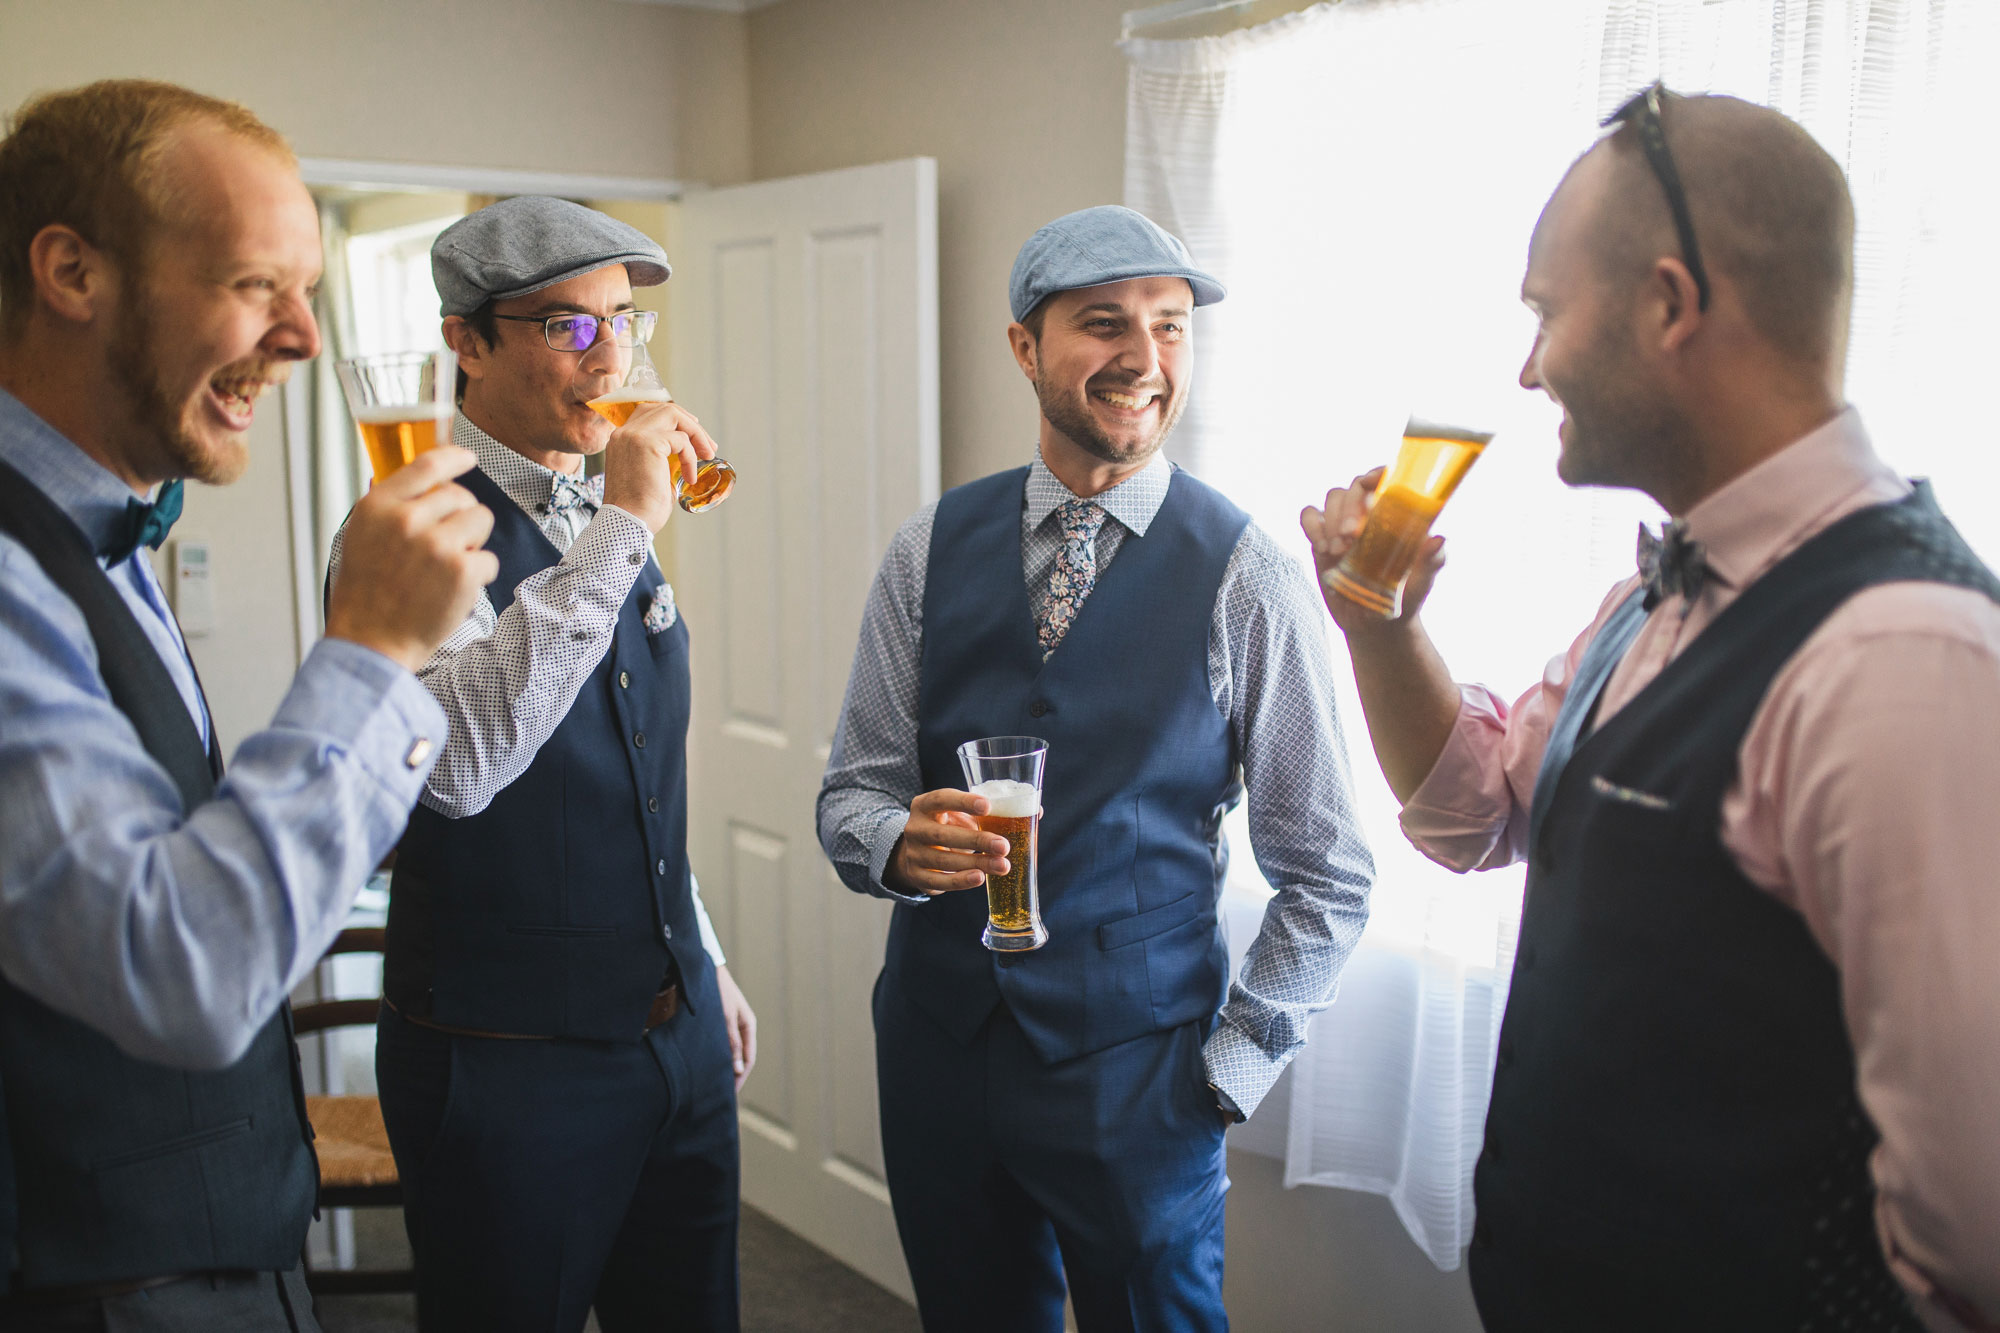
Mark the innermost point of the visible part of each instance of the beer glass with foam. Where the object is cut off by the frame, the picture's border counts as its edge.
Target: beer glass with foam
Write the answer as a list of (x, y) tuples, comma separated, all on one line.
[(713, 480), (1432, 461), (402, 403), (1007, 771)]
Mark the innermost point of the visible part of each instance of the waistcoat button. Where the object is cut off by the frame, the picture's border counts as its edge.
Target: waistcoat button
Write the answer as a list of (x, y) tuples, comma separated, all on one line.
[(667, 931), (624, 680), (1037, 708), (653, 804), (661, 867), (639, 739)]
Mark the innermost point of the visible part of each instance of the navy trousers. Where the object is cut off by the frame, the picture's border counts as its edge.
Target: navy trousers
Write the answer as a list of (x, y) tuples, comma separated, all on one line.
[(544, 1178), (1009, 1175)]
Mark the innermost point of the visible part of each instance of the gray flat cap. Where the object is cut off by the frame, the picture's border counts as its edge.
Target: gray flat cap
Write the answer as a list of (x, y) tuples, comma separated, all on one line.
[(529, 242), (1100, 245)]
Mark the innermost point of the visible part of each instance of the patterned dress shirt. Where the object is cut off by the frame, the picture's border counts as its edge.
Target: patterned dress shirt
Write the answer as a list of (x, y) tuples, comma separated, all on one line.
[(506, 681), (177, 935), (1269, 670)]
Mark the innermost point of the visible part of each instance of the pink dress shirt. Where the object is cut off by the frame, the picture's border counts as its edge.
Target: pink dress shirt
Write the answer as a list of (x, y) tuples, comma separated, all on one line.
[(1868, 799)]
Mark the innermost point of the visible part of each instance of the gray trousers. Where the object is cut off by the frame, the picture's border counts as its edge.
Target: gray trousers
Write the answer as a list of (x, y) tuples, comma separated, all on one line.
[(237, 1302)]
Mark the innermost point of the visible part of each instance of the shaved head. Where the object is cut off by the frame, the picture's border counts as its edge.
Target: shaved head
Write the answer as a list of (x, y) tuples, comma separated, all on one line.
[(1771, 209)]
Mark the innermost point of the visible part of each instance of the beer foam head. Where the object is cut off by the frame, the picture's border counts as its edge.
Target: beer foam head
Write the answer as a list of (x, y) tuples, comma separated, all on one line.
[(631, 395), (1009, 799), (380, 414)]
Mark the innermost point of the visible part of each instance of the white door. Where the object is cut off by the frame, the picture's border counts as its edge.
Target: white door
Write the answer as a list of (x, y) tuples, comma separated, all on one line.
[(803, 332)]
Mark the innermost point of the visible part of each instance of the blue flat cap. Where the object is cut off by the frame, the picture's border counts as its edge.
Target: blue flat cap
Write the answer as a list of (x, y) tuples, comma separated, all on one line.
[(529, 242), (1100, 245)]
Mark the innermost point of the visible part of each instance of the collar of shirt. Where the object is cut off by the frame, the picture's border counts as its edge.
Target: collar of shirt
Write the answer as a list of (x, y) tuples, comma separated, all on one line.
[(83, 488), (527, 484), (1770, 511), (1133, 501)]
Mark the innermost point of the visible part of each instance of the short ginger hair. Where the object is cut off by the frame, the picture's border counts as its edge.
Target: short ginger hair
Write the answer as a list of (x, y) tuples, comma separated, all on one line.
[(89, 158)]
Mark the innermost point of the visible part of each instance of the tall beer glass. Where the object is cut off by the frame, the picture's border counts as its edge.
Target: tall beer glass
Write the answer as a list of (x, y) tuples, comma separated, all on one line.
[(402, 403), (713, 479), (1428, 468), (1007, 771)]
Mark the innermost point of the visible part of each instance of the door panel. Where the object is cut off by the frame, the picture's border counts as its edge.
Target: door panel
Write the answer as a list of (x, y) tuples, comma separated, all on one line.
[(803, 332)]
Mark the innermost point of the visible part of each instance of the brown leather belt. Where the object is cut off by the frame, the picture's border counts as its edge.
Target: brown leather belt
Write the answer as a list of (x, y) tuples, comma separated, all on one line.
[(665, 1005)]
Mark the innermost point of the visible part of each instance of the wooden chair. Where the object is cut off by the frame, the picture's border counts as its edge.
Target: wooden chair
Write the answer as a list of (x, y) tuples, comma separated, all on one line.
[(356, 1169)]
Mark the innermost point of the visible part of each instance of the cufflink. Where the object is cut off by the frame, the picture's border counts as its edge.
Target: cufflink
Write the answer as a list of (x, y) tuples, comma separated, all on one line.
[(420, 750)]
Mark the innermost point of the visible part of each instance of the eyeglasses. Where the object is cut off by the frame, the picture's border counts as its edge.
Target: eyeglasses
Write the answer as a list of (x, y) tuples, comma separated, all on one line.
[(1643, 114), (578, 333)]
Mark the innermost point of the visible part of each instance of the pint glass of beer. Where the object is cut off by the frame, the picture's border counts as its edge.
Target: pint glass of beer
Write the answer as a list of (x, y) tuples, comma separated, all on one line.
[(713, 480), (1428, 468), (1007, 771), (402, 403)]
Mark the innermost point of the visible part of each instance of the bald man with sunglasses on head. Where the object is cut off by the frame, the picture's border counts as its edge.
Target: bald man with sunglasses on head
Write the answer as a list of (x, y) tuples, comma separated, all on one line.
[(561, 1042)]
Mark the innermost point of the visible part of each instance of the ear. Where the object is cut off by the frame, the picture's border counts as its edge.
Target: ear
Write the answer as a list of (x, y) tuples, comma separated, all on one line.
[(463, 339), (1676, 303), (73, 279), (1027, 353)]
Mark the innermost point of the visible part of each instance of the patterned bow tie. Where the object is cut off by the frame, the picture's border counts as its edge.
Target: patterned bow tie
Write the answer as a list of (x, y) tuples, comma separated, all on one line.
[(572, 493), (143, 524), (1672, 565)]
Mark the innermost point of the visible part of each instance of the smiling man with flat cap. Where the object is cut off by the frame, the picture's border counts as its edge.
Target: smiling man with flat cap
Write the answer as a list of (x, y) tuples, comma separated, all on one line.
[(561, 1045), (1056, 1117)]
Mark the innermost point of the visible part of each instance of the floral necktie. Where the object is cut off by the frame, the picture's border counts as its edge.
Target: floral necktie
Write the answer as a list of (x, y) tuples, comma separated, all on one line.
[(1075, 572)]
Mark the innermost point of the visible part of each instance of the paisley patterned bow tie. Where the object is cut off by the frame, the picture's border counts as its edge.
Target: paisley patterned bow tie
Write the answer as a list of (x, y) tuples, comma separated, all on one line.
[(572, 493), (1672, 565), (143, 524)]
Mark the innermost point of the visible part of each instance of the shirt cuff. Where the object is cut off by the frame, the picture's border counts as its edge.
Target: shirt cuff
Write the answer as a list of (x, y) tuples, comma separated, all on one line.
[(613, 546), (382, 713), (883, 843), (1240, 1069)]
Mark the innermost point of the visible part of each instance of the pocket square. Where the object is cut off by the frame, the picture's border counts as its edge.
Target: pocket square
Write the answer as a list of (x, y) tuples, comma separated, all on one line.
[(1645, 800), (660, 613)]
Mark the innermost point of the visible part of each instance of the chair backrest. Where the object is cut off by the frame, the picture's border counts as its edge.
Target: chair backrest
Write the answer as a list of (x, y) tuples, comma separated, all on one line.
[(320, 1015)]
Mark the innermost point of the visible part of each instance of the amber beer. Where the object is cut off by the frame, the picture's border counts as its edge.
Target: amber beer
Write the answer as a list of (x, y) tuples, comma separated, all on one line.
[(713, 480), (1014, 812), (402, 403), (397, 434), (1432, 461)]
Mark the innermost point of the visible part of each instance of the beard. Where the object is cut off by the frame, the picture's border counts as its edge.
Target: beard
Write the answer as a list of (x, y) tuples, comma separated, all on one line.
[(1623, 432), (137, 378), (1070, 414)]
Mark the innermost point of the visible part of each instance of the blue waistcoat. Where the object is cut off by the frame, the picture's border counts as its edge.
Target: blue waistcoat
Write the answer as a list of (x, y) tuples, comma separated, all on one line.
[(111, 1167), (1140, 771), (561, 908), (1675, 1140)]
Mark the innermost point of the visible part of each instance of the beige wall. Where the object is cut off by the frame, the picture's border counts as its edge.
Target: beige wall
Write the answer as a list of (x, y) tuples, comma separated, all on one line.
[(1021, 102), (452, 82)]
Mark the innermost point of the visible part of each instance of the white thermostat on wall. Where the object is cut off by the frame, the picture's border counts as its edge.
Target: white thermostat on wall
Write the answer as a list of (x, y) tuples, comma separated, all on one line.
[(194, 594)]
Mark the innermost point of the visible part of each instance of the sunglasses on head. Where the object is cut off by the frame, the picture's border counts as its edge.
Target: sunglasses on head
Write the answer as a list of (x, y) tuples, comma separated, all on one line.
[(1642, 113)]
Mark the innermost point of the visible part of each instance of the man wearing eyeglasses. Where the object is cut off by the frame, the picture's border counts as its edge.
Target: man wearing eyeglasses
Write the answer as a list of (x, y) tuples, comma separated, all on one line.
[(561, 1044), (1749, 1074)]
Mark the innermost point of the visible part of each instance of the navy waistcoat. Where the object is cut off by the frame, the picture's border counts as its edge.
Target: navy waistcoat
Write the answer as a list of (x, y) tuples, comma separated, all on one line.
[(561, 908), (1140, 771), (1675, 1140), (118, 1168)]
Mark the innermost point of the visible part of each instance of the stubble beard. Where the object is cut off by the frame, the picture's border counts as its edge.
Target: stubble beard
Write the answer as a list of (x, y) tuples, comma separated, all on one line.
[(136, 377), (1071, 416)]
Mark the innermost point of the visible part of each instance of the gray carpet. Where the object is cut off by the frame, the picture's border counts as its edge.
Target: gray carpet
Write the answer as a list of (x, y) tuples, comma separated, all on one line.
[(789, 1286)]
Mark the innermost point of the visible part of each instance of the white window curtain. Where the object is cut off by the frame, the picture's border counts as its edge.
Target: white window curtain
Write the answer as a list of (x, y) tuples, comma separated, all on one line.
[(1364, 176)]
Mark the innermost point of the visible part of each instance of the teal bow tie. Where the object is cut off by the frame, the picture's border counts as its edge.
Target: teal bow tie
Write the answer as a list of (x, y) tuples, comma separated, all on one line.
[(143, 524)]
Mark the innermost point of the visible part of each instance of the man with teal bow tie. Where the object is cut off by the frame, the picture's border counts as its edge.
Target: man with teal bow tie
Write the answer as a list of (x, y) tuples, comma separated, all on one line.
[(158, 256)]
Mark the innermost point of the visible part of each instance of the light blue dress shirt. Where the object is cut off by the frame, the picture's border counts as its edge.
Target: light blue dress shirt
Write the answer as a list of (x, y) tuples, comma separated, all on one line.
[(177, 935)]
